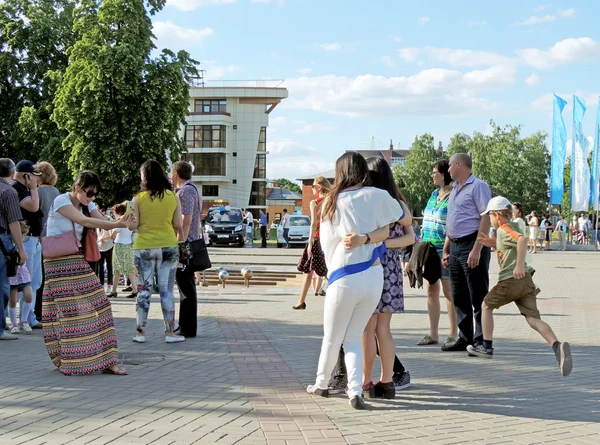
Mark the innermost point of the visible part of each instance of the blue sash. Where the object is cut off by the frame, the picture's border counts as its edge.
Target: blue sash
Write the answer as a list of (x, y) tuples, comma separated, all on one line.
[(351, 269)]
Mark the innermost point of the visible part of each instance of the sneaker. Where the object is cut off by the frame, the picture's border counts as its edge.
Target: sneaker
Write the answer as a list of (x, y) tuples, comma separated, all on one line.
[(357, 402), (176, 339), (402, 380), (139, 339), (26, 327), (479, 351), (15, 329), (338, 384), (7, 336), (565, 361)]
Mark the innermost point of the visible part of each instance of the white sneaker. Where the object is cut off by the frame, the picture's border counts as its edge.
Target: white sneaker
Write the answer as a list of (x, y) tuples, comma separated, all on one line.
[(26, 327), (7, 336), (15, 329), (176, 339), (139, 339)]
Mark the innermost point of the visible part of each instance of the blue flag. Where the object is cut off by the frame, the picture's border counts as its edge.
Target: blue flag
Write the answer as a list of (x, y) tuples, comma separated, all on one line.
[(595, 174), (559, 152), (580, 178)]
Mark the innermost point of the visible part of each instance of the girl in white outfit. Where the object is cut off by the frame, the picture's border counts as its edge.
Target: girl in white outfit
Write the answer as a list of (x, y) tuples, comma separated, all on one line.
[(352, 207)]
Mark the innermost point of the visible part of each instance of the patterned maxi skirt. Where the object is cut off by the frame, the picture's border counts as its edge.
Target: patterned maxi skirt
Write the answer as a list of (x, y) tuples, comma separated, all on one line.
[(79, 332)]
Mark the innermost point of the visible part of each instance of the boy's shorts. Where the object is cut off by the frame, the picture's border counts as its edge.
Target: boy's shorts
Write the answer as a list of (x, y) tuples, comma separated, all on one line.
[(523, 292)]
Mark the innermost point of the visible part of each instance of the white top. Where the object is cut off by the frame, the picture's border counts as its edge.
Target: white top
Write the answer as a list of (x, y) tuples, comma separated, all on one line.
[(59, 224), (124, 236), (249, 218), (358, 211), (285, 221), (582, 223), (106, 245), (521, 223)]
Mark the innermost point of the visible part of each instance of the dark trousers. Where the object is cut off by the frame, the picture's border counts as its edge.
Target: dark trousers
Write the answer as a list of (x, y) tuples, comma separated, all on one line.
[(340, 366), (286, 237), (263, 235), (105, 257), (188, 302), (469, 287)]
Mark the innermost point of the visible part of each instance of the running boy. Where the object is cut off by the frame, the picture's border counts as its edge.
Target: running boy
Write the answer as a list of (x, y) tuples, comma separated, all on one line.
[(514, 284)]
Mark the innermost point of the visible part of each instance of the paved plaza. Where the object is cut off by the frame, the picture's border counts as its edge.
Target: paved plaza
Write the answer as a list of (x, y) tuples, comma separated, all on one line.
[(242, 380)]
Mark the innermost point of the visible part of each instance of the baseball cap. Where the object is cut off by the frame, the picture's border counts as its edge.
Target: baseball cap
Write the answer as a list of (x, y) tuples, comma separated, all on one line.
[(27, 167), (497, 204)]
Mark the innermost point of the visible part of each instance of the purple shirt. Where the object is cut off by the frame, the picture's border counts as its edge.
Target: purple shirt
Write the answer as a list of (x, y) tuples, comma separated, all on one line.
[(465, 207), (191, 204)]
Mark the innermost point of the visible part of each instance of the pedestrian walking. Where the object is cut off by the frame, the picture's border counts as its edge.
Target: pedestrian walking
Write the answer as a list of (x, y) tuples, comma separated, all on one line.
[(285, 223), (263, 229)]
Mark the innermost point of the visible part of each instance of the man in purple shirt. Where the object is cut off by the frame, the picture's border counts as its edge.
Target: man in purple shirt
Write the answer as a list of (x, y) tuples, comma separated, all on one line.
[(191, 209), (467, 260)]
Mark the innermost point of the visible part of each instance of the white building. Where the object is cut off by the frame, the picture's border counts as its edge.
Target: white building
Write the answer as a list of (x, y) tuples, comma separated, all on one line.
[(226, 136)]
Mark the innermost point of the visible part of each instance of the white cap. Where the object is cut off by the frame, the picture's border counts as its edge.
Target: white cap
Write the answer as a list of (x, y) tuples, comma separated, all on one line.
[(497, 204)]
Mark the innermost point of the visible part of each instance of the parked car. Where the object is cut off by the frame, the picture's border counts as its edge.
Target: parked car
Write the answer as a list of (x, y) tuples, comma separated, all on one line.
[(225, 225), (299, 231)]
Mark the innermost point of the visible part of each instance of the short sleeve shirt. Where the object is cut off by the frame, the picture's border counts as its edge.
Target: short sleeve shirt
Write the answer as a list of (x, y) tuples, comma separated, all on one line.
[(285, 221), (10, 211), (465, 206), (33, 219), (434, 221), (506, 247), (59, 224), (191, 204)]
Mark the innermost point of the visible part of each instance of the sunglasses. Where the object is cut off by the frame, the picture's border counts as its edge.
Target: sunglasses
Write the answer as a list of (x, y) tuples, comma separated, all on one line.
[(91, 193), (315, 186)]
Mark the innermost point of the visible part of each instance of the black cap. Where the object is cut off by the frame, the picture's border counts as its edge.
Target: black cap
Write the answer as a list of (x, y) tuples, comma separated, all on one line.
[(27, 167)]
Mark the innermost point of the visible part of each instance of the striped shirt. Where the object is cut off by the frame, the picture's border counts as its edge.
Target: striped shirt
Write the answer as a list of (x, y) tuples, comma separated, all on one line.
[(434, 221), (10, 210)]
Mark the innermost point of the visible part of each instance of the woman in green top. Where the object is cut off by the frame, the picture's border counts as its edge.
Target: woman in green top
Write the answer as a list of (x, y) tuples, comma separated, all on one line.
[(434, 232), (158, 215)]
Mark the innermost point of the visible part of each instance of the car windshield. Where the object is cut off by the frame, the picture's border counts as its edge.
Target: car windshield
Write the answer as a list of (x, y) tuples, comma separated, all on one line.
[(302, 221), (224, 216)]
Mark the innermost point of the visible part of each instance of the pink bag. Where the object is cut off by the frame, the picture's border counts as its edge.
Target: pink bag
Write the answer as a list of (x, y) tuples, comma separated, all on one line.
[(60, 245)]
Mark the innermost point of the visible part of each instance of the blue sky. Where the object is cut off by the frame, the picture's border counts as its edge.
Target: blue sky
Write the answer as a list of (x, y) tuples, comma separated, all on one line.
[(393, 69)]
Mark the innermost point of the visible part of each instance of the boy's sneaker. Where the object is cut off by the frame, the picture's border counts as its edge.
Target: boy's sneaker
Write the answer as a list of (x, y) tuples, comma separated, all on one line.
[(26, 327), (565, 361), (338, 384), (15, 329), (479, 351), (401, 380)]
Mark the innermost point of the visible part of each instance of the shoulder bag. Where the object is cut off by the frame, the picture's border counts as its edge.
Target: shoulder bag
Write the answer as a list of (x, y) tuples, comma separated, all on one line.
[(12, 260), (91, 252)]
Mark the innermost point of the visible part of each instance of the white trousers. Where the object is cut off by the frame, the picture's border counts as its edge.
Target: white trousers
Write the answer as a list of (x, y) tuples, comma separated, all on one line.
[(349, 304)]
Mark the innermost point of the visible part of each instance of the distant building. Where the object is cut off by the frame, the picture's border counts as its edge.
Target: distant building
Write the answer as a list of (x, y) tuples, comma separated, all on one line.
[(279, 198), (226, 137), (393, 157)]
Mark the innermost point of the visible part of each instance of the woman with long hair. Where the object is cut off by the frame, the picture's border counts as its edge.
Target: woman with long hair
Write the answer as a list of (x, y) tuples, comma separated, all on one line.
[(312, 258), (79, 331), (156, 255), (354, 267), (434, 232)]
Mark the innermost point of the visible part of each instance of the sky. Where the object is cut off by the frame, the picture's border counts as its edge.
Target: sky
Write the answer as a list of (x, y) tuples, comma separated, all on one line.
[(359, 72)]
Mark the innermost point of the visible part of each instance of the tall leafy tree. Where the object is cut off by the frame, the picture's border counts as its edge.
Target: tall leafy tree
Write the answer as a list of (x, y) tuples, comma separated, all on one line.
[(117, 104), (286, 183)]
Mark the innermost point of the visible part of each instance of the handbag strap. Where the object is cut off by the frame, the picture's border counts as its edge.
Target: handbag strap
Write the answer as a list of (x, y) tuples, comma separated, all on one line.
[(52, 210)]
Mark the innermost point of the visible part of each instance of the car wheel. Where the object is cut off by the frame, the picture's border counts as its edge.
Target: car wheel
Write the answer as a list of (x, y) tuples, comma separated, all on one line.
[(240, 243)]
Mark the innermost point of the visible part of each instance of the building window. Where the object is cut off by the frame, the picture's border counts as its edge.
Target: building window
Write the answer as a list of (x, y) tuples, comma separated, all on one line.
[(262, 139), (205, 136), (206, 164), (210, 106), (210, 190), (260, 166), (258, 194)]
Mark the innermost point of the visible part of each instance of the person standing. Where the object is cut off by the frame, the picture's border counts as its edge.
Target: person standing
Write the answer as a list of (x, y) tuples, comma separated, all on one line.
[(534, 223), (123, 255), (10, 236), (25, 182), (549, 230), (263, 228), (250, 228), (562, 227), (465, 257), (285, 222), (105, 246), (517, 217), (191, 209)]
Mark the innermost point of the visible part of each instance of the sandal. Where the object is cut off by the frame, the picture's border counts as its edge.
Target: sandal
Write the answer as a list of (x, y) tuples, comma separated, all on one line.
[(427, 340), (449, 341), (120, 371)]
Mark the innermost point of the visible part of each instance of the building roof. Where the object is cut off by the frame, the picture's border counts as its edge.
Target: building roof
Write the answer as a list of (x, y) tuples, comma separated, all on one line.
[(283, 193), (329, 174), (379, 153)]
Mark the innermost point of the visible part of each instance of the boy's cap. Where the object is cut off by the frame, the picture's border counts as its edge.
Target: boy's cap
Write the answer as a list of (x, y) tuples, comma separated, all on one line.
[(497, 204), (27, 167)]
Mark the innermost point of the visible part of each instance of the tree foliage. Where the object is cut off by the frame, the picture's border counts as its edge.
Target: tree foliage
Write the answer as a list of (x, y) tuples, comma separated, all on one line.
[(286, 183)]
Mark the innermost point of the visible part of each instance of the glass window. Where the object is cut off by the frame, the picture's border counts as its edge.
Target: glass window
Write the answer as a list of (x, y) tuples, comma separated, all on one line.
[(262, 139), (222, 216), (210, 190), (260, 166), (210, 106), (207, 164), (205, 136), (258, 194), (299, 221)]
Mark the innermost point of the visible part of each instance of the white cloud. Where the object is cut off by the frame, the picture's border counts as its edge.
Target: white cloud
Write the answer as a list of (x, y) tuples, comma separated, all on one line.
[(216, 72), (423, 20), (396, 39), (305, 70), (169, 34), (466, 57), (282, 124), (478, 23), (191, 5), (290, 159), (542, 7), (334, 46), (409, 54), (534, 79), (537, 19), (563, 52), (438, 92), (387, 60), (567, 12)]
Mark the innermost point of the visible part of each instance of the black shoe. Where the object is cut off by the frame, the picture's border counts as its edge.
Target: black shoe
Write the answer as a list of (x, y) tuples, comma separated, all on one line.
[(113, 295), (127, 289), (565, 361), (357, 402), (299, 306), (312, 389), (480, 351), (385, 390), (458, 345), (131, 296), (369, 390)]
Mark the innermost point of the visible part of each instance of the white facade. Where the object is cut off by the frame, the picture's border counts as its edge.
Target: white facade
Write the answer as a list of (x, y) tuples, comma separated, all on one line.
[(226, 139)]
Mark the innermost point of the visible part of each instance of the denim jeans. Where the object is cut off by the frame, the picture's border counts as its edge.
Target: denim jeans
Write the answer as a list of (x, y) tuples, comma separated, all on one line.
[(469, 287), (286, 237), (4, 283), (33, 248), (159, 264)]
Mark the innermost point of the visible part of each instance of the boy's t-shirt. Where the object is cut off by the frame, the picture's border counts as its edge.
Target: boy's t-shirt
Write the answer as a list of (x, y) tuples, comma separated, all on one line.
[(506, 245)]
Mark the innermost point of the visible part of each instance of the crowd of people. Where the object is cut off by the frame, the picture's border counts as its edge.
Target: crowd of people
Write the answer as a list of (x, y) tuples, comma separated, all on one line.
[(63, 258), (362, 225)]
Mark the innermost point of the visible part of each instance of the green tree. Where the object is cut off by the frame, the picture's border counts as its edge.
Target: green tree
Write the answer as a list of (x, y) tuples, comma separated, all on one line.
[(117, 105), (286, 183), (415, 176)]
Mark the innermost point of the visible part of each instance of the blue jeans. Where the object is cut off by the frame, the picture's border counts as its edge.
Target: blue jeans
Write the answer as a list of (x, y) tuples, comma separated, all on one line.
[(159, 264), (33, 248), (4, 283), (286, 237)]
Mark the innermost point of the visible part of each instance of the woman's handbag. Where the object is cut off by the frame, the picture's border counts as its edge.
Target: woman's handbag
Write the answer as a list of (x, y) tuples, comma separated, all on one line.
[(198, 256), (91, 253), (12, 260)]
